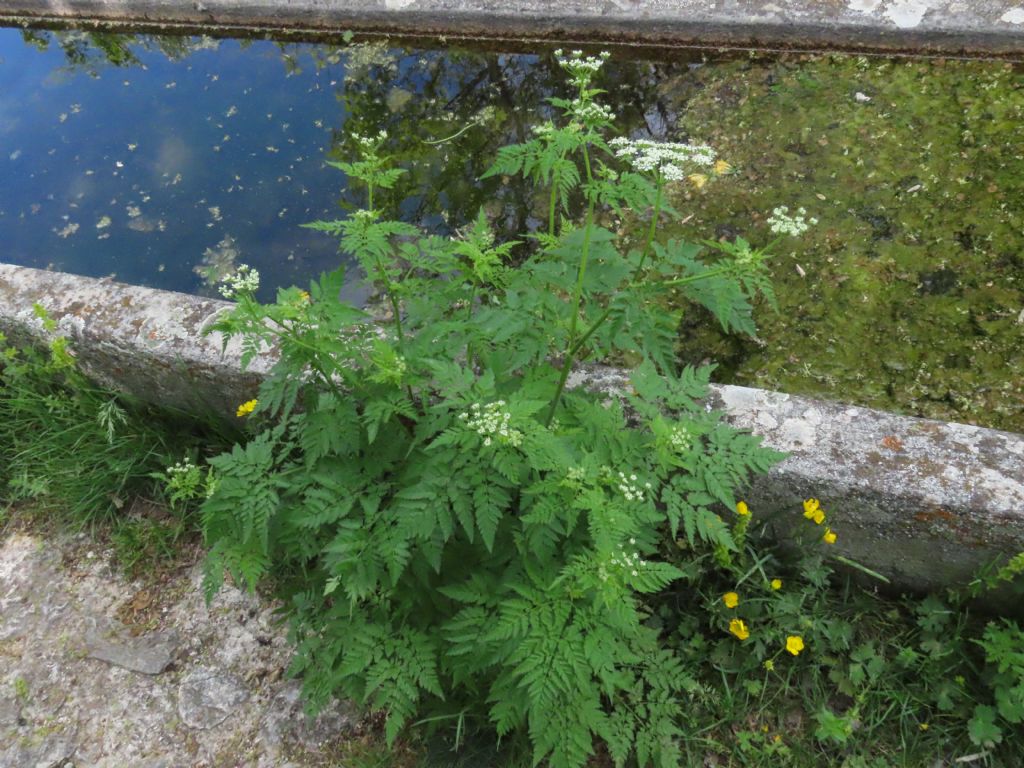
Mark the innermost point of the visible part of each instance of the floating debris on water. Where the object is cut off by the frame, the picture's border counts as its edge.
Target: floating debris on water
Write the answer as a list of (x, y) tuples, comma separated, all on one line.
[(219, 261), (103, 223), (69, 229), (15, 154), (133, 211)]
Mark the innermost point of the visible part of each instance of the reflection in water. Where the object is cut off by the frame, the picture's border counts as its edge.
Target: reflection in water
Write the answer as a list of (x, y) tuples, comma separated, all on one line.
[(159, 159)]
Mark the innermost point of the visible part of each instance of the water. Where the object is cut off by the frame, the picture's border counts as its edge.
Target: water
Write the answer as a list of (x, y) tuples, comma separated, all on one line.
[(165, 161)]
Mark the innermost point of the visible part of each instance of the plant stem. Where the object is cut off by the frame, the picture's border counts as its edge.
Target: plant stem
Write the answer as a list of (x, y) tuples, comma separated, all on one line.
[(655, 215), (575, 348), (577, 295), (553, 200)]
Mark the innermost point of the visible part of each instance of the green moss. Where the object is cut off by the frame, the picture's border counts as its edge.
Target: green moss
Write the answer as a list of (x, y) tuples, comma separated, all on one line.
[(909, 295)]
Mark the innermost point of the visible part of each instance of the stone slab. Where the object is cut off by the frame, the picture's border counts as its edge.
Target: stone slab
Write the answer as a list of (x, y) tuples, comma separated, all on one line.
[(936, 26), (149, 654), (926, 503)]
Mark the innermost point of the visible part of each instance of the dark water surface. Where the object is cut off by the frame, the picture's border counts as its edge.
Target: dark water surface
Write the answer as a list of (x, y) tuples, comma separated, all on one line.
[(163, 161)]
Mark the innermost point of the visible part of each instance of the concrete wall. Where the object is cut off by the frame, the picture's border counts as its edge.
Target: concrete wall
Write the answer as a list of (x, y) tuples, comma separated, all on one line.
[(940, 26), (924, 502)]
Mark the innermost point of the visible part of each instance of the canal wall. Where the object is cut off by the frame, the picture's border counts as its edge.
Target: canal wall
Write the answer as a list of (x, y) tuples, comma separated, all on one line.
[(948, 27), (926, 503)]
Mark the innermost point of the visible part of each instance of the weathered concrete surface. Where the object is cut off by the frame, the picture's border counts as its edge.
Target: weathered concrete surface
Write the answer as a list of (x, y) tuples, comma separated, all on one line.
[(948, 26), (924, 502), (222, 701), (133, 339)]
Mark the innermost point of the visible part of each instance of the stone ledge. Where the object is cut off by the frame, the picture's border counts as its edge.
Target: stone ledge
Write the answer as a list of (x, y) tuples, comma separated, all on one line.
[(933, 26), (925, 502)]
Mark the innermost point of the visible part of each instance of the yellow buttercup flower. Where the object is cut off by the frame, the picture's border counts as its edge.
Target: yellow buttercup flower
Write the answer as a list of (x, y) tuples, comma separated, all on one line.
[(731, 599), (818, 517), (810, 507), (722, 167), (246, 408), (776, 584), (698, 179), (738, 628), (923, 726), (742, 509), (794, 644), (829, 537)]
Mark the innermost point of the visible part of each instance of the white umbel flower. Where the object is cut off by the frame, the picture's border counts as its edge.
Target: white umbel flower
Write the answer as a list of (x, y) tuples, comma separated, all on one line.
[(781, 223), (673, 160), (492, 422), (243, 280)]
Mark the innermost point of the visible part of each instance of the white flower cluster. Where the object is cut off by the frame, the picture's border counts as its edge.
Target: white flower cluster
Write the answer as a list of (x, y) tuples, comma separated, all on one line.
[(243, 280), (370, 142), (589, 112), (680, 438), (183, 467), (544, 129), (629, 488), (669, 158), (576, 475), (490, 421), (625, 560), (577, 61), (781, 223)]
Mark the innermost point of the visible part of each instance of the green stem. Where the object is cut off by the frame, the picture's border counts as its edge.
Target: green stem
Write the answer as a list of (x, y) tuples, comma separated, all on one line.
[(636, 273), (577, 295), (554, 200), (575, 348), (655, 215)]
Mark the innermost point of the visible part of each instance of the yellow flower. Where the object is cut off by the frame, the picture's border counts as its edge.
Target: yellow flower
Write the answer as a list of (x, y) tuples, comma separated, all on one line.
[(722, 167), (776, 584), (698, 179), (923, 726), (731, 599), (776, 738), (818, 517), (246, 408), (304, 295), (738, 628), (829, 537), (794, 644), (742, 509), (810, 507)]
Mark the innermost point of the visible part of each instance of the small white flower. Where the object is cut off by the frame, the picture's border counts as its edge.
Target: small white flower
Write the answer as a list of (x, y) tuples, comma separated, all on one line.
[(781, 223), (244, 280)]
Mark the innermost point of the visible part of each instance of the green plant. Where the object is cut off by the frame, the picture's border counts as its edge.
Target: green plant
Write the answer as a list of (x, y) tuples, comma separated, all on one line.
[(63, 439), (465, 537)]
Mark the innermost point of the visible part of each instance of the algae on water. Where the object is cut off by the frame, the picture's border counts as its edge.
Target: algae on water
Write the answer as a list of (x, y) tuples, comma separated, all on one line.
[(909, 295)]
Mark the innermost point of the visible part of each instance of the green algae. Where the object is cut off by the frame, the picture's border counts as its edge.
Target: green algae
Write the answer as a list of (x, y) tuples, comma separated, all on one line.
[(909, 294)]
